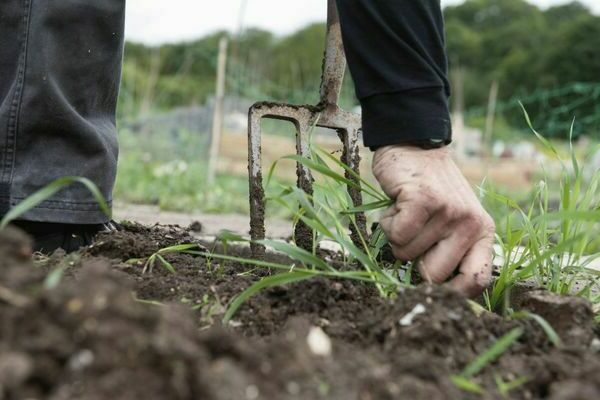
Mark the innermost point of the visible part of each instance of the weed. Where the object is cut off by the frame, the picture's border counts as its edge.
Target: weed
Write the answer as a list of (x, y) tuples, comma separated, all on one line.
[(506, 387), (153, 303), (539, 245), (158, 256), (546, 247), (465, 380), (47, 192), (546, 327), (330, 213), (208, 306)]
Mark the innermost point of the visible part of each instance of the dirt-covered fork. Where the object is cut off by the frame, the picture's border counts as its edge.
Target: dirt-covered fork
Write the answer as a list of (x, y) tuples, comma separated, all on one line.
[(326, 114)]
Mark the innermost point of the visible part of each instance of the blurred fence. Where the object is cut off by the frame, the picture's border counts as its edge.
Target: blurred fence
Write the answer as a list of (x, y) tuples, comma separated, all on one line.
[(143, 97), (555, 110)]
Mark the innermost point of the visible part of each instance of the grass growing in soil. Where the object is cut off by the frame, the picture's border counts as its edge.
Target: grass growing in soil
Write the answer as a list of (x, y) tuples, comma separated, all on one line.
[(330, 213), (547, 245), (465, 381), (540, 246)]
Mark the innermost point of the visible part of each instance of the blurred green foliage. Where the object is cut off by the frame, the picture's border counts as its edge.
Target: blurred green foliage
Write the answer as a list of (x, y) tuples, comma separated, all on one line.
[(166, 170), (526, 49)]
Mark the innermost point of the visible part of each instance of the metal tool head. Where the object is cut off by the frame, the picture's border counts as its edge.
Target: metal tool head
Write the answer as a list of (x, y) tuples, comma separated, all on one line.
[(326, 114)]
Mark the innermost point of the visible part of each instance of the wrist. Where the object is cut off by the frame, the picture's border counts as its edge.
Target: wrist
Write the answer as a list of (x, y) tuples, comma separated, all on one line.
[(411, 148), (428, 144), (424, 144), (408, 153)]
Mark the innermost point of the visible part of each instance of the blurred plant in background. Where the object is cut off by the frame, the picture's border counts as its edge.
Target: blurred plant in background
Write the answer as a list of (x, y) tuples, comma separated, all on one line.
[(167, 171), (500, 40), (165, 109)]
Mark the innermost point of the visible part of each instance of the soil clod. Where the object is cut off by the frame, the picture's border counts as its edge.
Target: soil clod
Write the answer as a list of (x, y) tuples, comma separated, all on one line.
[(108, 331)]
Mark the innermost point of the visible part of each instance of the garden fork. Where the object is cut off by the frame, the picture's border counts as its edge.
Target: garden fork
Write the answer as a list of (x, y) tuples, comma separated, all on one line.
[(326, 114)]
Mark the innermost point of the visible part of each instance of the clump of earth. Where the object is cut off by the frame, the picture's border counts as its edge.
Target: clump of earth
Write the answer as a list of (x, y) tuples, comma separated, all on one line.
[(95, 325)]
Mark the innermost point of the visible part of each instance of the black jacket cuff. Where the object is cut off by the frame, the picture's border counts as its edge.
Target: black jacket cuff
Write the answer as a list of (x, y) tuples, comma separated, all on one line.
[(406, 117)]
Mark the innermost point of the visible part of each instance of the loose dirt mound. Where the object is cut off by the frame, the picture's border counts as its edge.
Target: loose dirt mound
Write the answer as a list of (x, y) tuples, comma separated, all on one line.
[(100, 333)]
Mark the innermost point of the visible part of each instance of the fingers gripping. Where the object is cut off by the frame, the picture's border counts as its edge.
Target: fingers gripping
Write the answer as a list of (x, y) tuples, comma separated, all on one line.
[(405, 220), (475, 273), (441, 260)]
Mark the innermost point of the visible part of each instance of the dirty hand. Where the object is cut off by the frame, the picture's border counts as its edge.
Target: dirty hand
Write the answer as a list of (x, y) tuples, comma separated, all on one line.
[(436, 217)]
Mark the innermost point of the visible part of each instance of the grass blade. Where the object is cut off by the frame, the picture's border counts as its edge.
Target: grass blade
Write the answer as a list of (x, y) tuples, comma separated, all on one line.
[(180, 248), (50, 190), (506, 387), (368, 207), (499, 348), (168, 266), (540, 137), (297, 254), (373, 191), (546, 327), (560, 248), (326, 171), (466, 384), (276, 280)]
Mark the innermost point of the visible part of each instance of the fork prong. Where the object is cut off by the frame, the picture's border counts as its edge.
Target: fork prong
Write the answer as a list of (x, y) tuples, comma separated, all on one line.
[(303, 119), (351, 157), (257, 191), (303, 234)]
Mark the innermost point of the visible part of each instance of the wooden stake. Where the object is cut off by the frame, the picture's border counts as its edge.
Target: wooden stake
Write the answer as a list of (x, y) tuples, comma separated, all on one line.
[(217, 125), (489, 121)]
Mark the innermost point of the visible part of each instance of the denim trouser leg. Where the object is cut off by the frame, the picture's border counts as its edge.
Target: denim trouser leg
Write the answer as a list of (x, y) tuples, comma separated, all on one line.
[(60, 65)]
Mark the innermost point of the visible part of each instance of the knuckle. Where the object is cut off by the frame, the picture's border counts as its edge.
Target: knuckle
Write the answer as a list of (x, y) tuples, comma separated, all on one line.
[(489, 226), (395, 239), (404, 231), (475, 222), (397, 234), (432, 199), (386, 228), (447, 213), (472, 219)]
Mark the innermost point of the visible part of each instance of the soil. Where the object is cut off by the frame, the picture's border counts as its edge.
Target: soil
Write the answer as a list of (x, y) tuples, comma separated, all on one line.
[(108, 330)]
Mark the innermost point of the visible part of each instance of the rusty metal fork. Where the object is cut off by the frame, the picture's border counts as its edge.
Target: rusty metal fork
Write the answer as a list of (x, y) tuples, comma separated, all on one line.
[(326, 114)]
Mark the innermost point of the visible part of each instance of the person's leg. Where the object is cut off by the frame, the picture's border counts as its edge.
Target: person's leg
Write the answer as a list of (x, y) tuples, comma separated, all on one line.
[(60, 65)]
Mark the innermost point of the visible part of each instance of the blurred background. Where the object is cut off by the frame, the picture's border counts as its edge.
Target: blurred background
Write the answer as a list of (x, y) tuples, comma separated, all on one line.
[(544, 54)]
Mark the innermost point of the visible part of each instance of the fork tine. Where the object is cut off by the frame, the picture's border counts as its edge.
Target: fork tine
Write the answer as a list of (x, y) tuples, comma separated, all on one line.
[(351, 157), (257, 191), (327, 114), (303, 234)]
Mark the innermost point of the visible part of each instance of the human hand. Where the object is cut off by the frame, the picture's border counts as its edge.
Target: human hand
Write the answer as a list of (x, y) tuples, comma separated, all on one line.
[(436, 219)]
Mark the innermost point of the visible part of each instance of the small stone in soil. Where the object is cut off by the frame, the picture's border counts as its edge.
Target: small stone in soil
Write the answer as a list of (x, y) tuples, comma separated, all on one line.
[(407, 320), (318, 342)]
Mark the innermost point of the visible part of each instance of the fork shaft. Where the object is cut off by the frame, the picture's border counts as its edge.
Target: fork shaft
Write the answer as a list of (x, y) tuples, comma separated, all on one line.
[(334, 64)]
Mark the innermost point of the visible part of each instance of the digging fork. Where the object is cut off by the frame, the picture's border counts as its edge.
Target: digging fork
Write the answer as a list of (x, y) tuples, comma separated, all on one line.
[(326, 114)]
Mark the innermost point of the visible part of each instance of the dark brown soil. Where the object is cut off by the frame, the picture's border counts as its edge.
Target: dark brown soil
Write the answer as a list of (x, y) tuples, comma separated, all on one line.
[(108, 331)]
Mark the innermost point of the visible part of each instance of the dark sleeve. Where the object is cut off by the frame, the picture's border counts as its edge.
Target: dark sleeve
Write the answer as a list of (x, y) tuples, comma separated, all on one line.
[(396, 54)]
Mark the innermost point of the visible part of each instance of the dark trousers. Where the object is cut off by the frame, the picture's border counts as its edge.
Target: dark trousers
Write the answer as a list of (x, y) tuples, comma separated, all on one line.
[(60, 66)]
